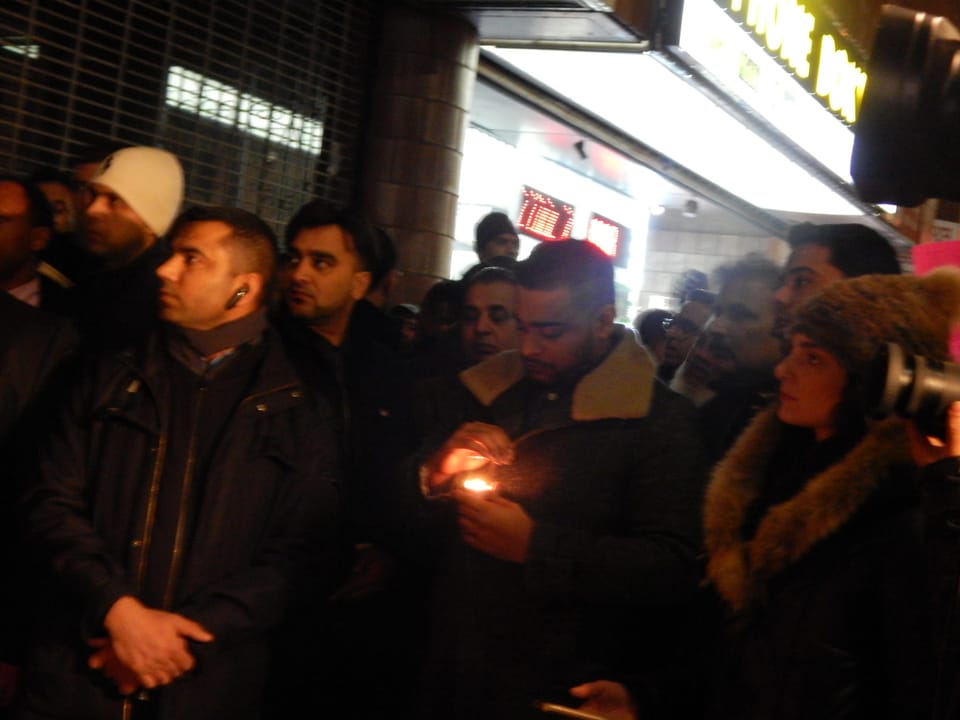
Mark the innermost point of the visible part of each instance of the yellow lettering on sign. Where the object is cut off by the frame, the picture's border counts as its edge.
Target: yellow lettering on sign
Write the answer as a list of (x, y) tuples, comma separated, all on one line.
[(798, 43), (753, 15), (840, 81), (786, 28)]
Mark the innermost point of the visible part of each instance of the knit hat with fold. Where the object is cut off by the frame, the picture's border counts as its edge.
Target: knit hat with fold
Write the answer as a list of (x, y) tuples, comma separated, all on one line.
[(149, 180), (854, 318)]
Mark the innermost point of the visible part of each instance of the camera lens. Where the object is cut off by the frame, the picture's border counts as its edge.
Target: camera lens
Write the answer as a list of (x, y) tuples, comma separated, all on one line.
[(912, 386)]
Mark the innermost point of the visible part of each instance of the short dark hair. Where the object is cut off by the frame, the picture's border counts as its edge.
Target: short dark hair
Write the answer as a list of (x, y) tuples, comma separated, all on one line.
[(753, 266), (39, 212), (386, 257), (361, 235), (688, 281), (251, 235), (702, 296), (855, 249), (52, 175), (442, 302), (649, 325), (95, 152), (487, 276), (404, 311), (578, 265)]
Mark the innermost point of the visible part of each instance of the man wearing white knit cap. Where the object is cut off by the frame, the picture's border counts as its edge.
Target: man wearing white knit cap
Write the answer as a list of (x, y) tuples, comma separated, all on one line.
[(132, 200)]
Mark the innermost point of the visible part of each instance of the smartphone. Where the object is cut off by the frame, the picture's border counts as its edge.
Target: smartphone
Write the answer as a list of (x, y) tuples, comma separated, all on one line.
[(570, 712)]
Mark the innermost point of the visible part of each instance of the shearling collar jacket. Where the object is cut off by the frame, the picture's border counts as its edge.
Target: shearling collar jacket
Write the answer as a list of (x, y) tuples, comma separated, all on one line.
[(610, 471), (621, 386), (739, 569)]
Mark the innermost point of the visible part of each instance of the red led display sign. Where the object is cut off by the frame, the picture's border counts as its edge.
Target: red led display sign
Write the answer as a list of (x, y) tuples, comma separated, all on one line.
[(544, 217), (613, 238)]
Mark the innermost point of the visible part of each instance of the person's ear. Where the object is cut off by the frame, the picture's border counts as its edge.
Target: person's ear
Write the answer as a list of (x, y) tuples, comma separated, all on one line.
[(361, 284), (39, 238), (248, 288), (603, 321)]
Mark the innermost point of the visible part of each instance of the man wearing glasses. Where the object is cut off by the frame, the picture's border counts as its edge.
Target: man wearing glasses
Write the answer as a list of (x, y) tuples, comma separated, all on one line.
[(683, 329)]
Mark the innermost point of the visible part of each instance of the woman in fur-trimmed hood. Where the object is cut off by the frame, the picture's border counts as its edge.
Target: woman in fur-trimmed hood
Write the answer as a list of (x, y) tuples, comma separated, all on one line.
[(813, 526)]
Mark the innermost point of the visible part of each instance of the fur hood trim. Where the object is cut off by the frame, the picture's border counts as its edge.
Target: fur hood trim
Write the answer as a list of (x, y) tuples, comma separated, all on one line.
[(621, 386), (739, 570)]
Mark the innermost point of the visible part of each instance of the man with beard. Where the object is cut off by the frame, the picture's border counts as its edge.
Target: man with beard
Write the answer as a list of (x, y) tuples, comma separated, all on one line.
[(334, 256), (589, 535), (683, 329), (738, 350)]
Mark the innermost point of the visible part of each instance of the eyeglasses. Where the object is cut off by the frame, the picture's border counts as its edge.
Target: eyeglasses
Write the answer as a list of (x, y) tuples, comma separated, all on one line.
[(687, 327)]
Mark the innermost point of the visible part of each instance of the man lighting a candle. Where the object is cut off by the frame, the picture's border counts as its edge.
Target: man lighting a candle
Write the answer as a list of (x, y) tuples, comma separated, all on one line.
[(586, 542)]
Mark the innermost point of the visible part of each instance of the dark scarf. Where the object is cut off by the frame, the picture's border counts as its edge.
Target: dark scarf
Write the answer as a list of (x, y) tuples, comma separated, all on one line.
[(194, 347)]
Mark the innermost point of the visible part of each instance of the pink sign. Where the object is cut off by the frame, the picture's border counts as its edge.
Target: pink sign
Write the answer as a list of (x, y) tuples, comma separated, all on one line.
[(926, 257)]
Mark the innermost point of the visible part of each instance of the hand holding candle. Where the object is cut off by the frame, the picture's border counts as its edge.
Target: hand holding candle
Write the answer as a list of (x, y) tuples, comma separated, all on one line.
[(470, 447), (493, 524)]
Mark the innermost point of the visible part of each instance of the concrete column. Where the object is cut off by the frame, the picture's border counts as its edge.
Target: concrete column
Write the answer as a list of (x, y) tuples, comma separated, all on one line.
[(418, 120)]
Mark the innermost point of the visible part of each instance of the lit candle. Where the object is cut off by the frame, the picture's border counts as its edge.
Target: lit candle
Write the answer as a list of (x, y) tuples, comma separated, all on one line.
[(478, 485)]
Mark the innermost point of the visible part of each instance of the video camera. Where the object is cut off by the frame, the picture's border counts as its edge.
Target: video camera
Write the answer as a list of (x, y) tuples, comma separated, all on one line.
[(912, 386), (906, 149), (907, 138)]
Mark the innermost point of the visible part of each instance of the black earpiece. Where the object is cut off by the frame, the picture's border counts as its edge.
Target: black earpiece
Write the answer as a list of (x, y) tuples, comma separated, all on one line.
[(237, 296)]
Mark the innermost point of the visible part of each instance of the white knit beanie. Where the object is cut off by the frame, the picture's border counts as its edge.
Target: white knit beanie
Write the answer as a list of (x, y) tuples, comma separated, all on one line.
[(149, 180)]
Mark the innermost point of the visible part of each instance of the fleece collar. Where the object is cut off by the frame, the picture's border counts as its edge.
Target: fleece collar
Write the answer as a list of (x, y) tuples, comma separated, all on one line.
[(621, 386), (788, 531)]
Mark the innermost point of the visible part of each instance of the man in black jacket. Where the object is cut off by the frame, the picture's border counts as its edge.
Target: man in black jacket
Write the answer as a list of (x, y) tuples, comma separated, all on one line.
[(185, 499), (129, 205), (26, 225), (333, 258), (590, 534)]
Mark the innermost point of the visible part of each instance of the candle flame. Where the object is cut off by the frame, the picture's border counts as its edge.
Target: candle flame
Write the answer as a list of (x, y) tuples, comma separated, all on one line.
[(476, 484)]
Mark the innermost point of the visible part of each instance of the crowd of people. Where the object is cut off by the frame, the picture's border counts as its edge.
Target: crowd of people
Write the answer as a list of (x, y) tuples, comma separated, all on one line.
[(239, 483)]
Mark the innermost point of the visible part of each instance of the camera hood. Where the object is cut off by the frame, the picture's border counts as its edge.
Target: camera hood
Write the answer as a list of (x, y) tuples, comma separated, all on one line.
[(907, 137)]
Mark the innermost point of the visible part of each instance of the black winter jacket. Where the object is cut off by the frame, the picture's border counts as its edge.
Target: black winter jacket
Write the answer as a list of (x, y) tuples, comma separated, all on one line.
[(613, 488), (264, 520), (941, 498), (825, 603)]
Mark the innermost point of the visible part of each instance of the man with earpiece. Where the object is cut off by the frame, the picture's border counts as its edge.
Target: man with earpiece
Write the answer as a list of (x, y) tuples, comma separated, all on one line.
[(185, 500)]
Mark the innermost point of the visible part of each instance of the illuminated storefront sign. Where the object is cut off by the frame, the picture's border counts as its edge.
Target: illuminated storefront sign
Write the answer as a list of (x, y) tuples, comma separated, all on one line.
[(767, 56), (544, 217), (611, 237), (795, 36)]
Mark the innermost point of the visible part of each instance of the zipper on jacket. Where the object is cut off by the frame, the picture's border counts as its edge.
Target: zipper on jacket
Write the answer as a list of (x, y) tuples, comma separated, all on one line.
[(176, 561), (186, 483), (126, 709), (151, 511)]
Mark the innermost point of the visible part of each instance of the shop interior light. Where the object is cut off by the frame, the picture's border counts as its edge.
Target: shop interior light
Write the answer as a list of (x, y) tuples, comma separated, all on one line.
[(651, 103), (21, 46), (199, 94)]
